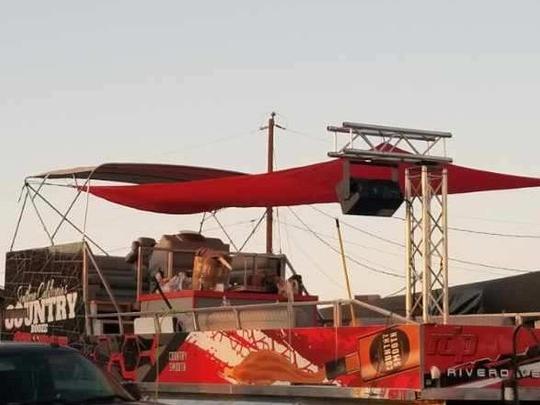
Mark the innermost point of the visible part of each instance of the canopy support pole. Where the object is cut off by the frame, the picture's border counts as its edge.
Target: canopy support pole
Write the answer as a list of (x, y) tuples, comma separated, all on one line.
[(32, 200), (252, 232), (70, 207), (36, 193), (89, 255), (21, 213), (224, 231)]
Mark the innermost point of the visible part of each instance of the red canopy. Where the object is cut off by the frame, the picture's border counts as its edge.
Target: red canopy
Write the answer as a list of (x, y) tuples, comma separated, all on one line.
[(303, 185)]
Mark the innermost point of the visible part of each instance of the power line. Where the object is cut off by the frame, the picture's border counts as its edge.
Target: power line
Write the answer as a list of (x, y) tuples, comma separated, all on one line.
[(233, 224), (322, 235), (487, 266), (305, 135), (348, 242), (504, 221), (499, 234), (352, 259), (392, 242), (503, 235), (402, 289), (210, 142), (485, 269), (315, 264)]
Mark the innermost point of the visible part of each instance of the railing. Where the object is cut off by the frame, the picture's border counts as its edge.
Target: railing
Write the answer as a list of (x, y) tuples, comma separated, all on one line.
[(517, 318), (338, 306), (237, 310)]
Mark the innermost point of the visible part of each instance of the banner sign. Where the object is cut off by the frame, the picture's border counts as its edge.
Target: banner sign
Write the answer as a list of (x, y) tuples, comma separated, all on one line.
[(43, 294), (41, 305)]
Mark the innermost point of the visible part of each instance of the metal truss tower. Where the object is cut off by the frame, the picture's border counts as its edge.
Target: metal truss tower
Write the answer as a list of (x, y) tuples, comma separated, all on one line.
[(426, 222), (425, 195)]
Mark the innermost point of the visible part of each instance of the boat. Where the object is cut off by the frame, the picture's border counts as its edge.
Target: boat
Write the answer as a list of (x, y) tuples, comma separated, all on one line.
[(191, 316)]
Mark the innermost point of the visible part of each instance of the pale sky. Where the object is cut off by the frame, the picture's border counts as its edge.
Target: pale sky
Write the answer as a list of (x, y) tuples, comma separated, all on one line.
[(83, 83)]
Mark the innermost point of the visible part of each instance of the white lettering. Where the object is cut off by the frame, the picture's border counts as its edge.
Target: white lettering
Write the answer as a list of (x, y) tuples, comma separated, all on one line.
[(43, 328), (8, 323), (38, 307), (177, 367), (177, 356), (49, 302), (71, 301), (18, 322), (61, 314), (29, 313), (39, 312)]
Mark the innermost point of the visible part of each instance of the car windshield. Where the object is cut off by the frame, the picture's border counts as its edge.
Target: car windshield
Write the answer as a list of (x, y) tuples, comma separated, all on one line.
[(55, 376)]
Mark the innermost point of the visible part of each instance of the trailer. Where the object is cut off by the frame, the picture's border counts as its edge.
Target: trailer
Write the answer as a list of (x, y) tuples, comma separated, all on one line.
[(192, 318)]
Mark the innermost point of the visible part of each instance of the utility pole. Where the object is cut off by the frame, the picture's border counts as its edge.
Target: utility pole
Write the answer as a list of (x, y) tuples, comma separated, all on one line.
[(269, 210), (270, 168)]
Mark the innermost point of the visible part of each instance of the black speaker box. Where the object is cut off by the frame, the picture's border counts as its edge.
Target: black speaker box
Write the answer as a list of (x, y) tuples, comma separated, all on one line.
[(379, 198)]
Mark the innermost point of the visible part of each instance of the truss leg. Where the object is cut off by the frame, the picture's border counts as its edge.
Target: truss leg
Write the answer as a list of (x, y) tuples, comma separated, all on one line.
[(426, 225)]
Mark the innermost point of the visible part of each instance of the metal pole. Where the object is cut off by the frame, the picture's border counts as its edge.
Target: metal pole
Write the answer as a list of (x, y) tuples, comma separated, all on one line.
[(19, 220), (70, 207), (85, 290), (139, 272), (409, 278), (107, 287), (224, 231), (67, 219), (170, 259), (86, 208), (251, 233), (270, 162), (444, 195), (346, 272), (43, 224), (337, 314), (426, 246)]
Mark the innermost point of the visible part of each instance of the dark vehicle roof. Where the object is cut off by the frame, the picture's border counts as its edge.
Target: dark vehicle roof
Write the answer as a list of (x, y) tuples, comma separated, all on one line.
[(8, 348), (18, 347)]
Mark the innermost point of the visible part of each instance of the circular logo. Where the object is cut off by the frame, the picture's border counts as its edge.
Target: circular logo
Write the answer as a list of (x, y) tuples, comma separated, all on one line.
[(389, 351)]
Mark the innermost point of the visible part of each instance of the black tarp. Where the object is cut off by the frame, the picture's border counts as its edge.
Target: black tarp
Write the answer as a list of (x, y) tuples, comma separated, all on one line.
[(519, 293)]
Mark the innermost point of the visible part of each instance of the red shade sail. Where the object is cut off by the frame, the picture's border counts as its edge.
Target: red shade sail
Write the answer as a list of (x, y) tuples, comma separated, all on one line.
[(303, 185)]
